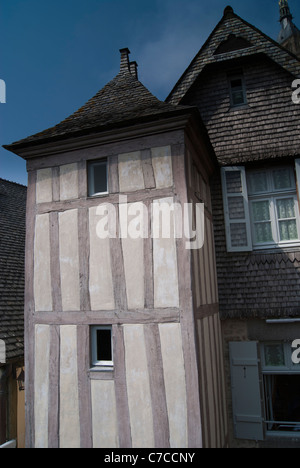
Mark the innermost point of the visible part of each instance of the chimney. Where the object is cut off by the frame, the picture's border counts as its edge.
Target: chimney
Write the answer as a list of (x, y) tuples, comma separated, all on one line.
[(124, 60), (133, 67)]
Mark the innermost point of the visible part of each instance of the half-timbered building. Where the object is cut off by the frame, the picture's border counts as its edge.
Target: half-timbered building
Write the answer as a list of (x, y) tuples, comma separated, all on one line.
[(123, 333), (123, 337)]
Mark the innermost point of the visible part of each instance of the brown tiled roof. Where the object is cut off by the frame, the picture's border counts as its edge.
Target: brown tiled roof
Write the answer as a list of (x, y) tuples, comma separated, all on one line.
[(123, 101), (12, 252)]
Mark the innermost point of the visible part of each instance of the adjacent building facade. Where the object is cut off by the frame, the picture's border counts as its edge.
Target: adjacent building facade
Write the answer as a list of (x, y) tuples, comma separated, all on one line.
[(12, 252), (241, 81)]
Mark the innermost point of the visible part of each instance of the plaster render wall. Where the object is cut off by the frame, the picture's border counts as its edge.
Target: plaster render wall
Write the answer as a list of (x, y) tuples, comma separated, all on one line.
[(69, 403), (104, 414), (41, 396), (100, 270), (131, 284), (44, 185), (69, 260), (42, 271)]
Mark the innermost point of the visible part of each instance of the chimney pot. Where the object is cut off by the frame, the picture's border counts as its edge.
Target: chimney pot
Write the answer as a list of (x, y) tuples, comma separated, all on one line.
[(124, 60), (133, 67)]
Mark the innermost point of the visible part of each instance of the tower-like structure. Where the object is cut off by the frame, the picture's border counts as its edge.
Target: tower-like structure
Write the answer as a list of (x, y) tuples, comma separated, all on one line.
[(289, 35)]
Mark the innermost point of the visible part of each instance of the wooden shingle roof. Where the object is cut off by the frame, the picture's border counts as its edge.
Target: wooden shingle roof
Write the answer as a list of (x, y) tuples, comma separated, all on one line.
[(12, 253), (233, 25), (268, 125), (123, 101)]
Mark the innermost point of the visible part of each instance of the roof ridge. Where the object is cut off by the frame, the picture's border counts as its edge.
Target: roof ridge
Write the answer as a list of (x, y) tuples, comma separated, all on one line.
[(229, 15), (123, 99), (12, 182)]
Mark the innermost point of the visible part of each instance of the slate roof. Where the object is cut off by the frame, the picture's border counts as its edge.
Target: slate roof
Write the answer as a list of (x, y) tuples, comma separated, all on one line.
[(12, 253), (123, 101)]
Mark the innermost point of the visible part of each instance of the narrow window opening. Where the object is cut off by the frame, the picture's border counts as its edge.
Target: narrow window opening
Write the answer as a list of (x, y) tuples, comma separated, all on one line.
[(97, 178), (237, 90), (102, 349)]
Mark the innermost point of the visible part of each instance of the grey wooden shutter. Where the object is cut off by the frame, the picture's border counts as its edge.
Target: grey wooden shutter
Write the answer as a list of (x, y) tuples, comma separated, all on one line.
[(246, 394), (297, 168), (236, 209)]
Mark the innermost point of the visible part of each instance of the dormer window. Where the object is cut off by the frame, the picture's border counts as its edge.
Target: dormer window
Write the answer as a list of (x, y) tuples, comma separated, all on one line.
[(237, 90)]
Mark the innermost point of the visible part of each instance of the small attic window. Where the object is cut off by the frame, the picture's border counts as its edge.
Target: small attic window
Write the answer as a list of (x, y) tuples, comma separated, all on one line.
[(237, 89), (97, 178), (231, 44)]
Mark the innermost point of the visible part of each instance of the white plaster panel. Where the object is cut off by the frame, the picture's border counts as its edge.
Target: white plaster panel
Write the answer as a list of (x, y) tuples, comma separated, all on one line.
[(162, 166), (69, 402), (41, 379), (138, 387), (100, 281), (44, 185), (133, 256), (69, 181), (131, 176), (42, 271), (104, 414), (175, 383), (166, 292), (69, 260)]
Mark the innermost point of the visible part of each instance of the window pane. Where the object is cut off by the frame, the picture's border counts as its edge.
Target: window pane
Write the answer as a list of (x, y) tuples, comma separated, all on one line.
[(104, 351), (238, 97), (97, 174), (286, 208), (288, 230), (274, 355), (234, 182), (100, 178), (263, 233), (282, 179), (236, 83), (258, 182), (236, 207), (261, 210), (282, 396)]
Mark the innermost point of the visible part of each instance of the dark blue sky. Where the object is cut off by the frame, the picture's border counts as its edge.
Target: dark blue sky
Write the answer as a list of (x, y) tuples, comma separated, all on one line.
[(57, 54)]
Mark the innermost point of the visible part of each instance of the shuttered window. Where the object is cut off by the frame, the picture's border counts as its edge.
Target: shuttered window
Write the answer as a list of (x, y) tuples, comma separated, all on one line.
[(261, 207), (237, 220), (246, 391)]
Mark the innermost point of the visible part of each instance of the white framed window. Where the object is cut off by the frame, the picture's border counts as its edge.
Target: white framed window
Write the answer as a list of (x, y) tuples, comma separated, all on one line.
[(281, 386), (97, 178), (261, 207), (237, 90), (274, 210), (102, 347)]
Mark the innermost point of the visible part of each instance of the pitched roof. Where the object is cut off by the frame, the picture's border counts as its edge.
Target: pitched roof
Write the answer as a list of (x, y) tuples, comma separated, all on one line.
[(12, 253), (123, 101), (232, 24), (267, 126)]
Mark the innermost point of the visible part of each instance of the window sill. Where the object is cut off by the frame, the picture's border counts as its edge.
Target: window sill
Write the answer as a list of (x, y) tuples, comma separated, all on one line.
[(101, 373), (238, 108), (99, 195), (282, 434), (277, 248)]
